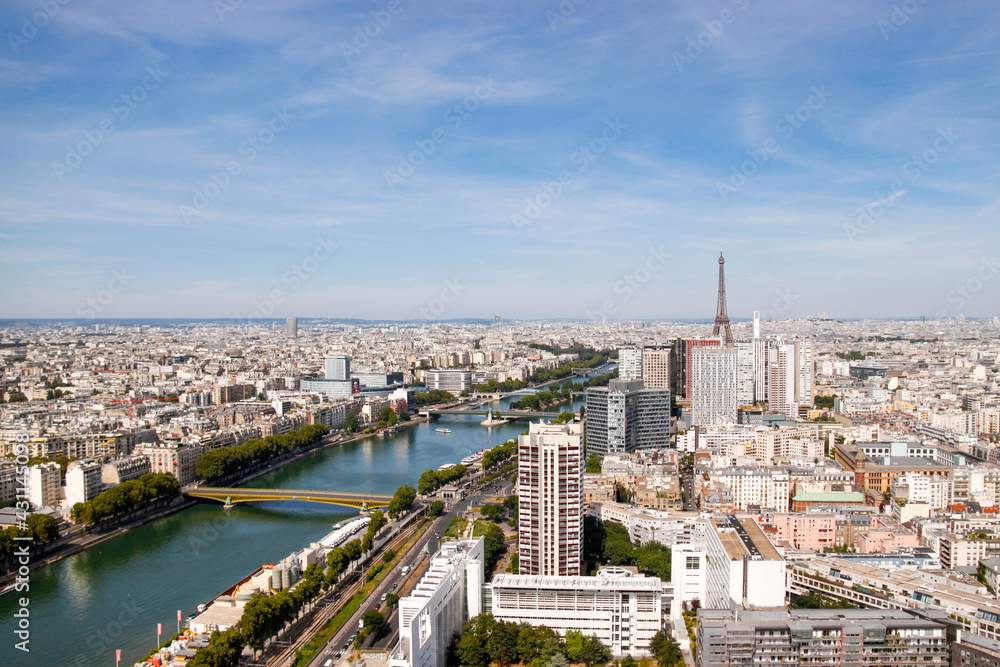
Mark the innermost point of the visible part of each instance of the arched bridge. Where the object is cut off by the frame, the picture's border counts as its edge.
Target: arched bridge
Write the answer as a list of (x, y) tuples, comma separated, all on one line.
[(360, 501)]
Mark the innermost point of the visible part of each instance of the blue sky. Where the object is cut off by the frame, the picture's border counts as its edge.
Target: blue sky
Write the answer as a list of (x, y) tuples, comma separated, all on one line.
[(567, 160)]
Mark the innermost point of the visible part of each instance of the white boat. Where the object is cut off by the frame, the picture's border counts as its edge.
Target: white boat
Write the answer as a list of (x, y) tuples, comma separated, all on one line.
[(443, 430)]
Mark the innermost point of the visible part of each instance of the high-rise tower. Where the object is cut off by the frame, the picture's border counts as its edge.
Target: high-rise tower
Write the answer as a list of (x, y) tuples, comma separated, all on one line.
[(721, 318)]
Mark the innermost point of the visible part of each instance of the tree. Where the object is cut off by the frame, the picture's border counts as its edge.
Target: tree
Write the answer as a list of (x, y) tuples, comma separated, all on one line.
[(351, 423), (502, 645), (373, 620), (401, 501), (492, 512), (666, 649), (43, 527), (594, 462), (388, 555), (594, 651), (436, 508), (575, 642), (471, 649), (387, 417), (353, 550), (391, 600), (493, 546), (532, 643)]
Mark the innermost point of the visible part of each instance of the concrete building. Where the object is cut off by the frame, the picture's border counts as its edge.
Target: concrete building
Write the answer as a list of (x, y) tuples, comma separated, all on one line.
[(803, 531), (622, 608), (447, 596), (44, 484), (450, 380), (9, 482), (337, 367), (819, 636), (175, 458), (765, 488), (743, 566), (657, 367), (630, 363), (625, 416), (122, 470), (689, 576), (713, 386), (550, 481), (292, 327), (83, 481), (781, 380)]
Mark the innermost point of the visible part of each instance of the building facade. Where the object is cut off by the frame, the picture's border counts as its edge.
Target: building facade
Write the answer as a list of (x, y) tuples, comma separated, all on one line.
[(550, 480)]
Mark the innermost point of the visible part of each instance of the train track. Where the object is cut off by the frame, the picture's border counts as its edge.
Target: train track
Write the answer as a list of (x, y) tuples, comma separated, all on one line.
[(329, 608)]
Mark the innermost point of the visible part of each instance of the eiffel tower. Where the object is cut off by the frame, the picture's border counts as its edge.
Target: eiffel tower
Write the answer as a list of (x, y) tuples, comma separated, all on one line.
[(721, 317)]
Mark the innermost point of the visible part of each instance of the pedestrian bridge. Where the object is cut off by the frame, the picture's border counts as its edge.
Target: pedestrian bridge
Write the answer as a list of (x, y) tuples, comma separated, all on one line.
[(359, 501)]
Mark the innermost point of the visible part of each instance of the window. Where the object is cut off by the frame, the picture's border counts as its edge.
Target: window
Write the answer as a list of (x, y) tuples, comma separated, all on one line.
[(692, 563)]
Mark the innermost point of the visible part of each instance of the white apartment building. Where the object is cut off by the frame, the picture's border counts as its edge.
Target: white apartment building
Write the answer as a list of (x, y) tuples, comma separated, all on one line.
[(764, 487), (44, 485), (671, 529), (550, 481), (713, 385), (447, 596), (622, 608), (745, 372), (744, 568), (630, 363), (781, 380), (83, 481)]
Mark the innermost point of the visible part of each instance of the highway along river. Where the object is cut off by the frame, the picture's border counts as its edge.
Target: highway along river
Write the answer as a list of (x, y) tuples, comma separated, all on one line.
[(112, 596)]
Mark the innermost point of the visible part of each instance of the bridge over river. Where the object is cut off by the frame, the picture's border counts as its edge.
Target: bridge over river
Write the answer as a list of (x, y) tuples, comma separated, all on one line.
[(231, 496)]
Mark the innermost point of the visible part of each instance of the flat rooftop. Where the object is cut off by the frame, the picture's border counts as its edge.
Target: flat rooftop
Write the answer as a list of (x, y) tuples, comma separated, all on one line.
[(743, 537)]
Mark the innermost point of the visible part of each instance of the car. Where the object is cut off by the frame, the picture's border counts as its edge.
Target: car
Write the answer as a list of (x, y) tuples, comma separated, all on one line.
[(328, 663), (346, 646), (384, 596), (336, 656), (393, 587)]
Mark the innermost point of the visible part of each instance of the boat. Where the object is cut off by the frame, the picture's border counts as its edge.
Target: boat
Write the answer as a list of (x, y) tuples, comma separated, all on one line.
[(447, 466), (443, 430)]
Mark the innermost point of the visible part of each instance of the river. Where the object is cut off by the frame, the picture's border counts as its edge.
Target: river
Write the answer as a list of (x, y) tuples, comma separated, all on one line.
[(112, 596)]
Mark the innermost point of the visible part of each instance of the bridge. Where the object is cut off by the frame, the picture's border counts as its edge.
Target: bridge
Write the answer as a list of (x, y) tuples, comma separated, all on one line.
[(359, 501), (499, 414)]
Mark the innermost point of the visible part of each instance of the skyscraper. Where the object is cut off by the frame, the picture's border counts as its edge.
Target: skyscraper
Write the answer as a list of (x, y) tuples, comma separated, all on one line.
[(721, 327), (550, 508), (292, 327), (713, 385)]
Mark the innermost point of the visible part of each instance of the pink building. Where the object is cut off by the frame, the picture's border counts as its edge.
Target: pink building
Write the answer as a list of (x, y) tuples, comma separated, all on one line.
[(803, 531), (886, 535)]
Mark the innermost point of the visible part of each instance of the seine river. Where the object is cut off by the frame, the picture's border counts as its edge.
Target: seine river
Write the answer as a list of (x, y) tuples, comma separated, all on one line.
[(112, 596)]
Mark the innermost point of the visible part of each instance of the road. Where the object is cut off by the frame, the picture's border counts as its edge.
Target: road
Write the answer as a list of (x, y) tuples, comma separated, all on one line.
[(395, 582)]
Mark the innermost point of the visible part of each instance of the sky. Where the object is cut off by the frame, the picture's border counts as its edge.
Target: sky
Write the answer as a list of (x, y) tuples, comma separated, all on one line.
[(435, 160)]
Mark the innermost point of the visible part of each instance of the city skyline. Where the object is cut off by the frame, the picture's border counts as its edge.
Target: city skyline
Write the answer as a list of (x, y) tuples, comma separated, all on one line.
[(194, 157)]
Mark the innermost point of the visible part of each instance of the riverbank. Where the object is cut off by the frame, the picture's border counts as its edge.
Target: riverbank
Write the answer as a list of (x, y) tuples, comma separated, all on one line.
[(86, 540)]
